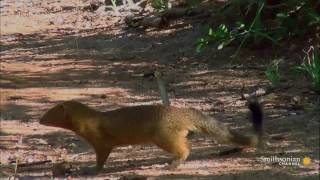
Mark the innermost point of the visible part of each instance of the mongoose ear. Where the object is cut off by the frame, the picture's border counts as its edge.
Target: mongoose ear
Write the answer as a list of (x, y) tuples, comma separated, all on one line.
[(65, 113), (58, 115), (62, 110), (61, 116)]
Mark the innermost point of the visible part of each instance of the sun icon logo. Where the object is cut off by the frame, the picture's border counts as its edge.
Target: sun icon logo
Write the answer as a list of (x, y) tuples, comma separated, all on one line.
[(306, 161)]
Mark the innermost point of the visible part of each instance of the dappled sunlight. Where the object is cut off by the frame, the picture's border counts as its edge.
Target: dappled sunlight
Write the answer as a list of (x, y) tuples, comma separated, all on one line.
[(58, 50)]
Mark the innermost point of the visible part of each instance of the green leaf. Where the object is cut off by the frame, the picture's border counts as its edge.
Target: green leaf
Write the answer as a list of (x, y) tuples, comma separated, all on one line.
[(210, 32)]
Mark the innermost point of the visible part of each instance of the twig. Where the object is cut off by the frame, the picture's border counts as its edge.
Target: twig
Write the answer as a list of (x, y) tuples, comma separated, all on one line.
[(162, 88), (76, 38), (33, 163), (79, 154), (161, 85), (256, 93), (250, 29), (15, 169)]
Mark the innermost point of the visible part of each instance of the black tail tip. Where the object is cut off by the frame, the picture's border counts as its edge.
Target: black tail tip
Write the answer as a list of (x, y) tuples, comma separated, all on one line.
[(257, 116)]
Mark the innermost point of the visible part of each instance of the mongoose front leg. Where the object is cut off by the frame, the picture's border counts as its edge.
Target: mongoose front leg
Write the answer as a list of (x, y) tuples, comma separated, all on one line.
[(102, 155), (181, 150), (178, 145)]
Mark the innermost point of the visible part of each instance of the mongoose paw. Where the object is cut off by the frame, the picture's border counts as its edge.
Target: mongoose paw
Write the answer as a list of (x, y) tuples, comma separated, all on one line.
[(173, 166), (170, 168)]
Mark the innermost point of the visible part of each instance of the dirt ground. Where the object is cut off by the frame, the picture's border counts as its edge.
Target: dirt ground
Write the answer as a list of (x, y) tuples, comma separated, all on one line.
[(51, 52)]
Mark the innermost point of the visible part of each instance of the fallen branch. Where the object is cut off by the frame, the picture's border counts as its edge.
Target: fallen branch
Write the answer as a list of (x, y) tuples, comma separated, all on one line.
[(154, 21), (162, 19), (175, 12)]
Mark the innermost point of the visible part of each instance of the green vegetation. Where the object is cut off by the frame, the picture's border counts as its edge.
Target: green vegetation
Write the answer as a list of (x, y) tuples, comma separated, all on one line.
[(273, 74), (159, 5), (257, 23), (261, 23), (311, 66), (221, 35), (114, 5), (264, 23)]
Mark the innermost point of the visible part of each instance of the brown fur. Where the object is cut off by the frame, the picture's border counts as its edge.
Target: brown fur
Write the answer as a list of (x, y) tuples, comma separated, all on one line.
[(165, 126)]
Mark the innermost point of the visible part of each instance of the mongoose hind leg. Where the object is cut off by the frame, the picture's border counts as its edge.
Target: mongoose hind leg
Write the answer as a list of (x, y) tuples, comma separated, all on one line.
[(176, 144)]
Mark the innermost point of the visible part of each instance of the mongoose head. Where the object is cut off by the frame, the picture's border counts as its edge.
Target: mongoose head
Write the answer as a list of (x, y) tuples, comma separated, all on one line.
[(57, 117)]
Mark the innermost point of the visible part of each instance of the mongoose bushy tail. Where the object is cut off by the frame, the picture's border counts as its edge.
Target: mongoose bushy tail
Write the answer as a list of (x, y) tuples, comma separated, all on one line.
[(165, 126), (223, 134)]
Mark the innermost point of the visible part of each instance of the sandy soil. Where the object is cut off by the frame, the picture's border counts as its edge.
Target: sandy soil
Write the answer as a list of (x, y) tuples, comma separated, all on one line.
[(51, 51)]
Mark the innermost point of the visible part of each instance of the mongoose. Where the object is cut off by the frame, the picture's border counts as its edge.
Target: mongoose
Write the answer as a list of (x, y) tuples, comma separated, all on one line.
[(164, 126)]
